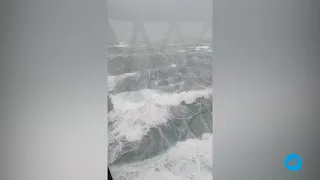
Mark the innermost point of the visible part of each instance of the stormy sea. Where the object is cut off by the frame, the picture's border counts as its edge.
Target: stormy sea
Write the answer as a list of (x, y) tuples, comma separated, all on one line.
[(160, 118)]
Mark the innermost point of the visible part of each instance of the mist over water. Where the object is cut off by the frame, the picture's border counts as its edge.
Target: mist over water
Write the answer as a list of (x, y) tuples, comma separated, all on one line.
[(160, 126), (158, 113)]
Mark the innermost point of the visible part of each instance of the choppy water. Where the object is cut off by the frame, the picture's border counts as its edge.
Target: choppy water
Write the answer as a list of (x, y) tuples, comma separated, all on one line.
[(161, 123)]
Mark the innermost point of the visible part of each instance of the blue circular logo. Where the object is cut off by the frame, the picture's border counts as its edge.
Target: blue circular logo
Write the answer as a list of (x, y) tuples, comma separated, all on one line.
[(293, 162)]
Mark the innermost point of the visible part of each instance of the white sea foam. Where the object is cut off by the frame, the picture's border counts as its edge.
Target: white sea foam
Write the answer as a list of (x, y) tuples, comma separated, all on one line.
[(177, 98), (112, 80), (201, 48), (191, 159), (136, 99), (136, 112)]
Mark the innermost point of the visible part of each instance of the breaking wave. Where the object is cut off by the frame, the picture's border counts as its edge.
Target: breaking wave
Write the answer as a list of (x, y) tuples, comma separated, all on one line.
[(160, 126)]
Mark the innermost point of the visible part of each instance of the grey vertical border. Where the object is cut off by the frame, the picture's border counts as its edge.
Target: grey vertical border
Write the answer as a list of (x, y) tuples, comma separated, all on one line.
[(213, 87), (266, 88), (106, 93), (52, 89)]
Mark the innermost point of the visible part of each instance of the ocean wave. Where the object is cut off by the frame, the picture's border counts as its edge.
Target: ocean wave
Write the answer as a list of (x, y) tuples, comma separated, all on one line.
[(135, 99), (194, 163), (160, 123), (172, 78), (146, 118)]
